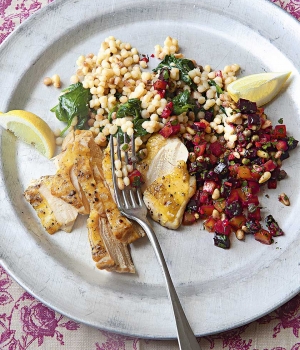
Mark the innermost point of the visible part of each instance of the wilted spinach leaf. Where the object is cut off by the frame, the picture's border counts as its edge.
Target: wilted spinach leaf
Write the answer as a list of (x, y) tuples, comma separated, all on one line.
[(218, 88), (138, 129), (184, 65), (132, 108), (74, 102), (182, 102)]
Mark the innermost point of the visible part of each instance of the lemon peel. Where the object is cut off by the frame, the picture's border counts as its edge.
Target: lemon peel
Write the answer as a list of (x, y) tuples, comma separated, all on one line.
[(260, 88), (31, 129)]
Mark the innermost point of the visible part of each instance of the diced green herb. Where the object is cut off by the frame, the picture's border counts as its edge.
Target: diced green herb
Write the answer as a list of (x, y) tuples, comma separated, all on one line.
[(182, 103), (280, 121), (184, 65), (74, 102)]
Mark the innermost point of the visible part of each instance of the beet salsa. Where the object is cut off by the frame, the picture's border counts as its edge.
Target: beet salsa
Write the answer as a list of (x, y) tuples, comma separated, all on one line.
[(230, 175)]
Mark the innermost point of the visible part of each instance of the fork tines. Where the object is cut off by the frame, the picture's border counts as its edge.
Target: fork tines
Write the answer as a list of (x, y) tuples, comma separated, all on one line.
[(129, 197)]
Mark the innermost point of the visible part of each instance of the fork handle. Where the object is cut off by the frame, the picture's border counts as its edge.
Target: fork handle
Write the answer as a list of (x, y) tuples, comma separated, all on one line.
[(185, 335)]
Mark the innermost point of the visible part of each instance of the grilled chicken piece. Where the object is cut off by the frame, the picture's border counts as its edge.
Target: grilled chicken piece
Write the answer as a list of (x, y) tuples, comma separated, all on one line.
[(134, 231), (62, 185), (78, 187), (54, 213), (108, 252), (168, 186)]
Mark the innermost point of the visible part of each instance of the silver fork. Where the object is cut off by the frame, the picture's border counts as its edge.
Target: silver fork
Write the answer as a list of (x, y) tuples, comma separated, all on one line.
[(131, 205)]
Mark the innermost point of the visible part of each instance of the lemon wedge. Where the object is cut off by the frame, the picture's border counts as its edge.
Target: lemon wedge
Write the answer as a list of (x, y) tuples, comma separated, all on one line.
[(260, 88), (31, 129)]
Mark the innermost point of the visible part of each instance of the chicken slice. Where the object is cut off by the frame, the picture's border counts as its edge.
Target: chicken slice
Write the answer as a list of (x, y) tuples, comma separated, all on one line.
[(168, 186), (113, 213), (54, 213), (167, 197), (62, 185)]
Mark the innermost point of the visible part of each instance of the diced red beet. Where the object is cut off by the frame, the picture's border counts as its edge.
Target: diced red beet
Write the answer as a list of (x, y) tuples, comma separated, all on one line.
[(169, 130), (250, 200), (254, 187), (209, 186), (254, 215), (221, 228), (253, 120), (272, 184), (222, 241), (263, 236), (270, 165), (246, 106), (193, 205), (234, 196), (216, 148), (209, 224), (188, 218), (273, 226), (253, 226), (233, 208)]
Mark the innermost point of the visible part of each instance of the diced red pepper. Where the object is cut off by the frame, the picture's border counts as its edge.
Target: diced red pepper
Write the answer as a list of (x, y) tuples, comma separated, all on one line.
[(222, 227), (201, 125), (270, 165), (160, 85), (209, 186), (161, 93), (263, 236), (216, 148), (237, 222), (200, 149), (152, 55), (203, 197), (145, 59), (282, 145), (209, 224), (136, 179), (188, 218), (279, 131), (169, 129), (197, 139), (167, 111)]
